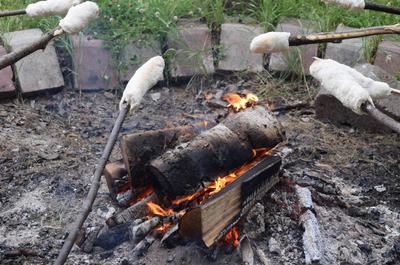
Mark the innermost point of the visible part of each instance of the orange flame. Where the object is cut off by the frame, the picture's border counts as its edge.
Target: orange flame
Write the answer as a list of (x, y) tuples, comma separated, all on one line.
[(238, 102), (221, 182), (163, 228), (141, 194), (232, 237), (156, 209)]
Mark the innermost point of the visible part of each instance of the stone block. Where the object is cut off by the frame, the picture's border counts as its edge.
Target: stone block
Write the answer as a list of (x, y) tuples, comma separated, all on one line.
[(388, 57), (349, 52), (328, 108), (193, 50), (39, 71), (94, 66), (135, 54), (236, 55), (297, 59), (7, 88)]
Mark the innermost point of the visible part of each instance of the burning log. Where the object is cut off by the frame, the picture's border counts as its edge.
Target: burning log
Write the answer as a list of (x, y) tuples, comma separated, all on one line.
[(139, 148), (280, 41), (114, 173), (170, 237), (142, 230), (136, 211), (210, 221), (215, 152)]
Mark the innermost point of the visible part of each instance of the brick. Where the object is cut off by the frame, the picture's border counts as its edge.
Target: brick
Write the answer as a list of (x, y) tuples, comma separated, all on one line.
[(236, 55), (39, 71), (297, 59), (7, 88), (94, 66), (135, 54), (349, 52), (328, 108), (388, 56), (193, 46)]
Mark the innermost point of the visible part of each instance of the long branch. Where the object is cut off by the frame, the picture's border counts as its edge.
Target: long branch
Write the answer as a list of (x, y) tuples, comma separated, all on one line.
[(87, 205), (382, 8), (324, 37), (41, 43), (382, 118), (9, 13)]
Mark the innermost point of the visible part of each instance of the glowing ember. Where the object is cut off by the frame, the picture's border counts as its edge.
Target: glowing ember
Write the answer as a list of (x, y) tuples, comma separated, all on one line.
[(238, 102), (163, 228), (221, 182), (232, 237), (142, 194), (156, 209)]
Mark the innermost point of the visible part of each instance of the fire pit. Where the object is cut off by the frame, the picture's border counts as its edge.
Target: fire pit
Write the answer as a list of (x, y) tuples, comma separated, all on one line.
[(192, 182)]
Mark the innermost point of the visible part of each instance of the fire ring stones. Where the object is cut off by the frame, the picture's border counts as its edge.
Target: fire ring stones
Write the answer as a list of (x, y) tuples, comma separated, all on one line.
[(135, 54), (94, 66), (236, 55), (192, 45), (39, 71), (298, 59), (347, 52), (7, 88)]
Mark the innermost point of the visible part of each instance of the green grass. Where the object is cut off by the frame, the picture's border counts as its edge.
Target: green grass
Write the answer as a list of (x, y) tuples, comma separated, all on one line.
[(123, 21)]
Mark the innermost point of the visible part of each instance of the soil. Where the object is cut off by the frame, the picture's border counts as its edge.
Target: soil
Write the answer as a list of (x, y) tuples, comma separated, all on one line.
[(49, 147)]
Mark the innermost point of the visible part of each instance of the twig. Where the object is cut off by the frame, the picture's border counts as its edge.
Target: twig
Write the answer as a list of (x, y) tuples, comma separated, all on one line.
[(13, 57), (291, 106), (9, 13), (335, 37), (87, 205), (382, 8), (395, 92), (261, 255), (21, 252), (382, 118)]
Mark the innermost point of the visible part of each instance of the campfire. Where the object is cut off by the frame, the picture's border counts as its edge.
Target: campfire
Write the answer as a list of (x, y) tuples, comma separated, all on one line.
[(194, 182)]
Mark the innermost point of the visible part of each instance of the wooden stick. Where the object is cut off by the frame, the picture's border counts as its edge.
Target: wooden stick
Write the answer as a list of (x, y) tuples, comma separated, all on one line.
[(381, 117), (396, 92), (382, 8), (336, 37), (41, 43), (9, 13), (87, 205)]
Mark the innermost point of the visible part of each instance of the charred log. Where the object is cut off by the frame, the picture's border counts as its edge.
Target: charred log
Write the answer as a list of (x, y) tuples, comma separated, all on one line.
[(210, 221), (136, 211), (115, 174), (139, 148), (215, 152)]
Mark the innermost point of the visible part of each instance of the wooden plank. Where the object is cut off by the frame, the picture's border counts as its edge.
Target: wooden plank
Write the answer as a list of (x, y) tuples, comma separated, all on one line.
[(210, 221)]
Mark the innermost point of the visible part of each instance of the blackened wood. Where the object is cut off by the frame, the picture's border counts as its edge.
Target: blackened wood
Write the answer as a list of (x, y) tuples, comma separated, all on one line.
[(136, 211), (139, 148), (382, 8), (114, 173), (210, 221), (216, 152)]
